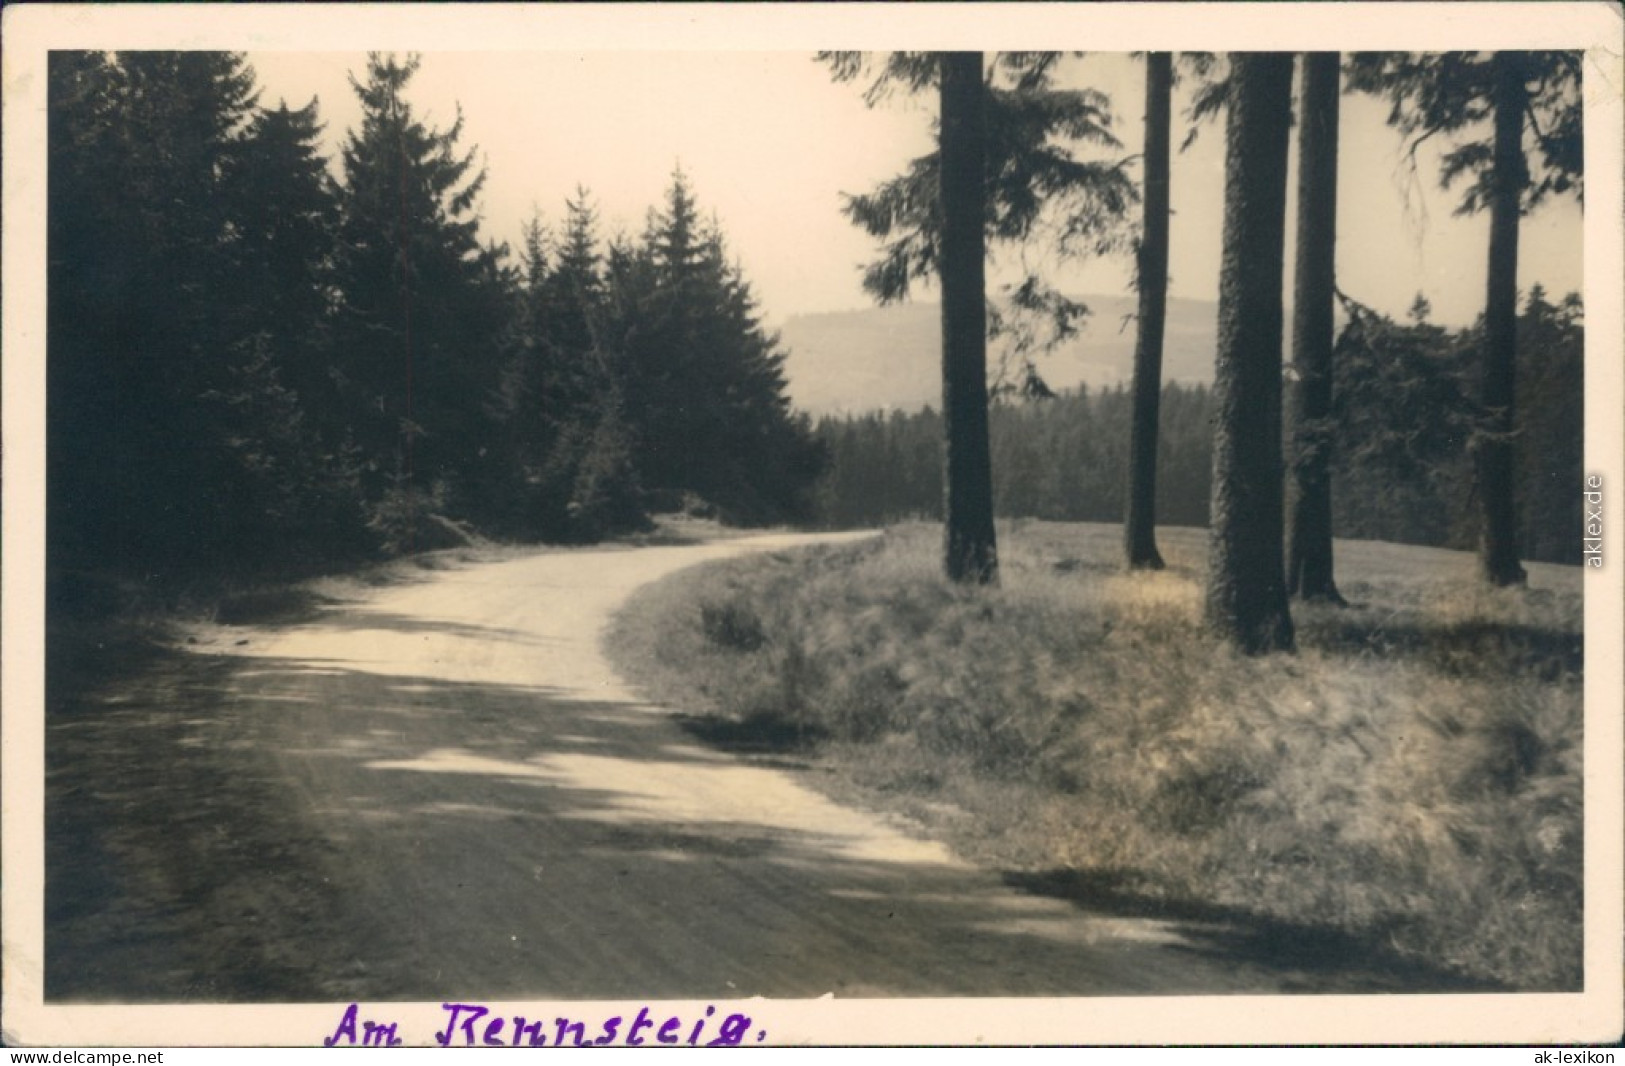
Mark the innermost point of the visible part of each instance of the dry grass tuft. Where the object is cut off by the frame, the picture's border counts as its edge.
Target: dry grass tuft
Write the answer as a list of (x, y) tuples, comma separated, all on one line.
[(1410, 779)]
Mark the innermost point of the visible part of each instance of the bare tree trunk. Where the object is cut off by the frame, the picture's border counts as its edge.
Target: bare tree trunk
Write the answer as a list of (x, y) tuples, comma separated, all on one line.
[(1493, 456), (1309, 561), (1246, 589), (1139, 527), (970, 552)]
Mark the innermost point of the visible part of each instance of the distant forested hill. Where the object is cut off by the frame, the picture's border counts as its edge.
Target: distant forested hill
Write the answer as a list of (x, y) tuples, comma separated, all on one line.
[(1402, 424), (889, 357)]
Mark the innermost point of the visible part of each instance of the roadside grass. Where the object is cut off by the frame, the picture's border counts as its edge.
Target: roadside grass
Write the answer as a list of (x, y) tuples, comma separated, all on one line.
[(1409, 781)]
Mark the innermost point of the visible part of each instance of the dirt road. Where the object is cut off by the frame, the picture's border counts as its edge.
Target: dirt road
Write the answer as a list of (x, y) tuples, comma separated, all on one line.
[(438, 788)]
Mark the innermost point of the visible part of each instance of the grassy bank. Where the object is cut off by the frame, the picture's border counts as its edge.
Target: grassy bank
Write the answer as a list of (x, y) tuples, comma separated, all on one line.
[(1408, 784)]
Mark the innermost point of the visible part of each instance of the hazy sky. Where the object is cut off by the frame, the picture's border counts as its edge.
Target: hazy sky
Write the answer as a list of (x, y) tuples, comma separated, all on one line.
[(770, 143)]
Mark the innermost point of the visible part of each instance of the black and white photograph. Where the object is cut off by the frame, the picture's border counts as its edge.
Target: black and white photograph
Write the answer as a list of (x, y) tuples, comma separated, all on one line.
[(738, 525)]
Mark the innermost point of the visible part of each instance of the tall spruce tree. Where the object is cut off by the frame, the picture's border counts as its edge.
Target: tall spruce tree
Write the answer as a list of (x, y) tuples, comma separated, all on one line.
[(1516, 120), (524, 504), (192, 422), (590, 460), (1309, 558), (1039, 180), (698, 383), (667, 367), (609, 490), (559, 404), (969, 547), (1246, 587), (282, 241), (1495, 459), (1151, 281), (294, 488), (93, 262), (141, 266), (422, 306), (1032, 178), (576, 283), (1551, 426)]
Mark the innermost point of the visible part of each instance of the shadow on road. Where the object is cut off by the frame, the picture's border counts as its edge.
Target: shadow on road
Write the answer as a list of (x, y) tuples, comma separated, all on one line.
[(1297, 951), (252, 827)]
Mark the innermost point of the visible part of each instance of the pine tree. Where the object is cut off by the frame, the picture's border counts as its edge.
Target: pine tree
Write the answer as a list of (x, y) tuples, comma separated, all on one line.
[(1036, 181), (93, 261), (769, 459), (1400, 419), (524, 431), (294, 474), (666, 371), (422, 303), (970, 548), (1495, 459), (607, 496), (560, 402), (1551, 426), (576, 285), (1031, 178), (1531, 103), (192, 422), (1246, 587), (140, 268), (282, 245), (284, 209), (1151, 279), (1309, 560), (699, 383)]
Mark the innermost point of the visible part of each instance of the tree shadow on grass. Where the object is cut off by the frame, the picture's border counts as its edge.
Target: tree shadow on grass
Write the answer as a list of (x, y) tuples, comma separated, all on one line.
[(1462, 649), (758, 734), (1312, 953)]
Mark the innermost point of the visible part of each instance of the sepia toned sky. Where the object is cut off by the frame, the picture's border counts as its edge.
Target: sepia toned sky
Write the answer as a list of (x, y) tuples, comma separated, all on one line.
[(770, 143)]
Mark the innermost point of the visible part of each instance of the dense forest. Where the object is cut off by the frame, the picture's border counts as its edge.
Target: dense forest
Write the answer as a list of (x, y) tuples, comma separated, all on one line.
[(263, 362), (1402, 422)]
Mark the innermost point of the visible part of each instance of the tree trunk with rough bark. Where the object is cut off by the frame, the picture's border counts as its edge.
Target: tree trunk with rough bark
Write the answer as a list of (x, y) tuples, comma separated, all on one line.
[(1246, 600), (1139, 527), (1494, 461), (1309, 559), (970, 551)]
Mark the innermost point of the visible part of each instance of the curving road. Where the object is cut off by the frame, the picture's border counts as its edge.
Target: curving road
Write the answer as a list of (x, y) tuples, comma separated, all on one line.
[(439, 788)]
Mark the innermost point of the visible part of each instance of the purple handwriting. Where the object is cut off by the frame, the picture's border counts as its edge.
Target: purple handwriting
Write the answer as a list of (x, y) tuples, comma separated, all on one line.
[(473, 1025)]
